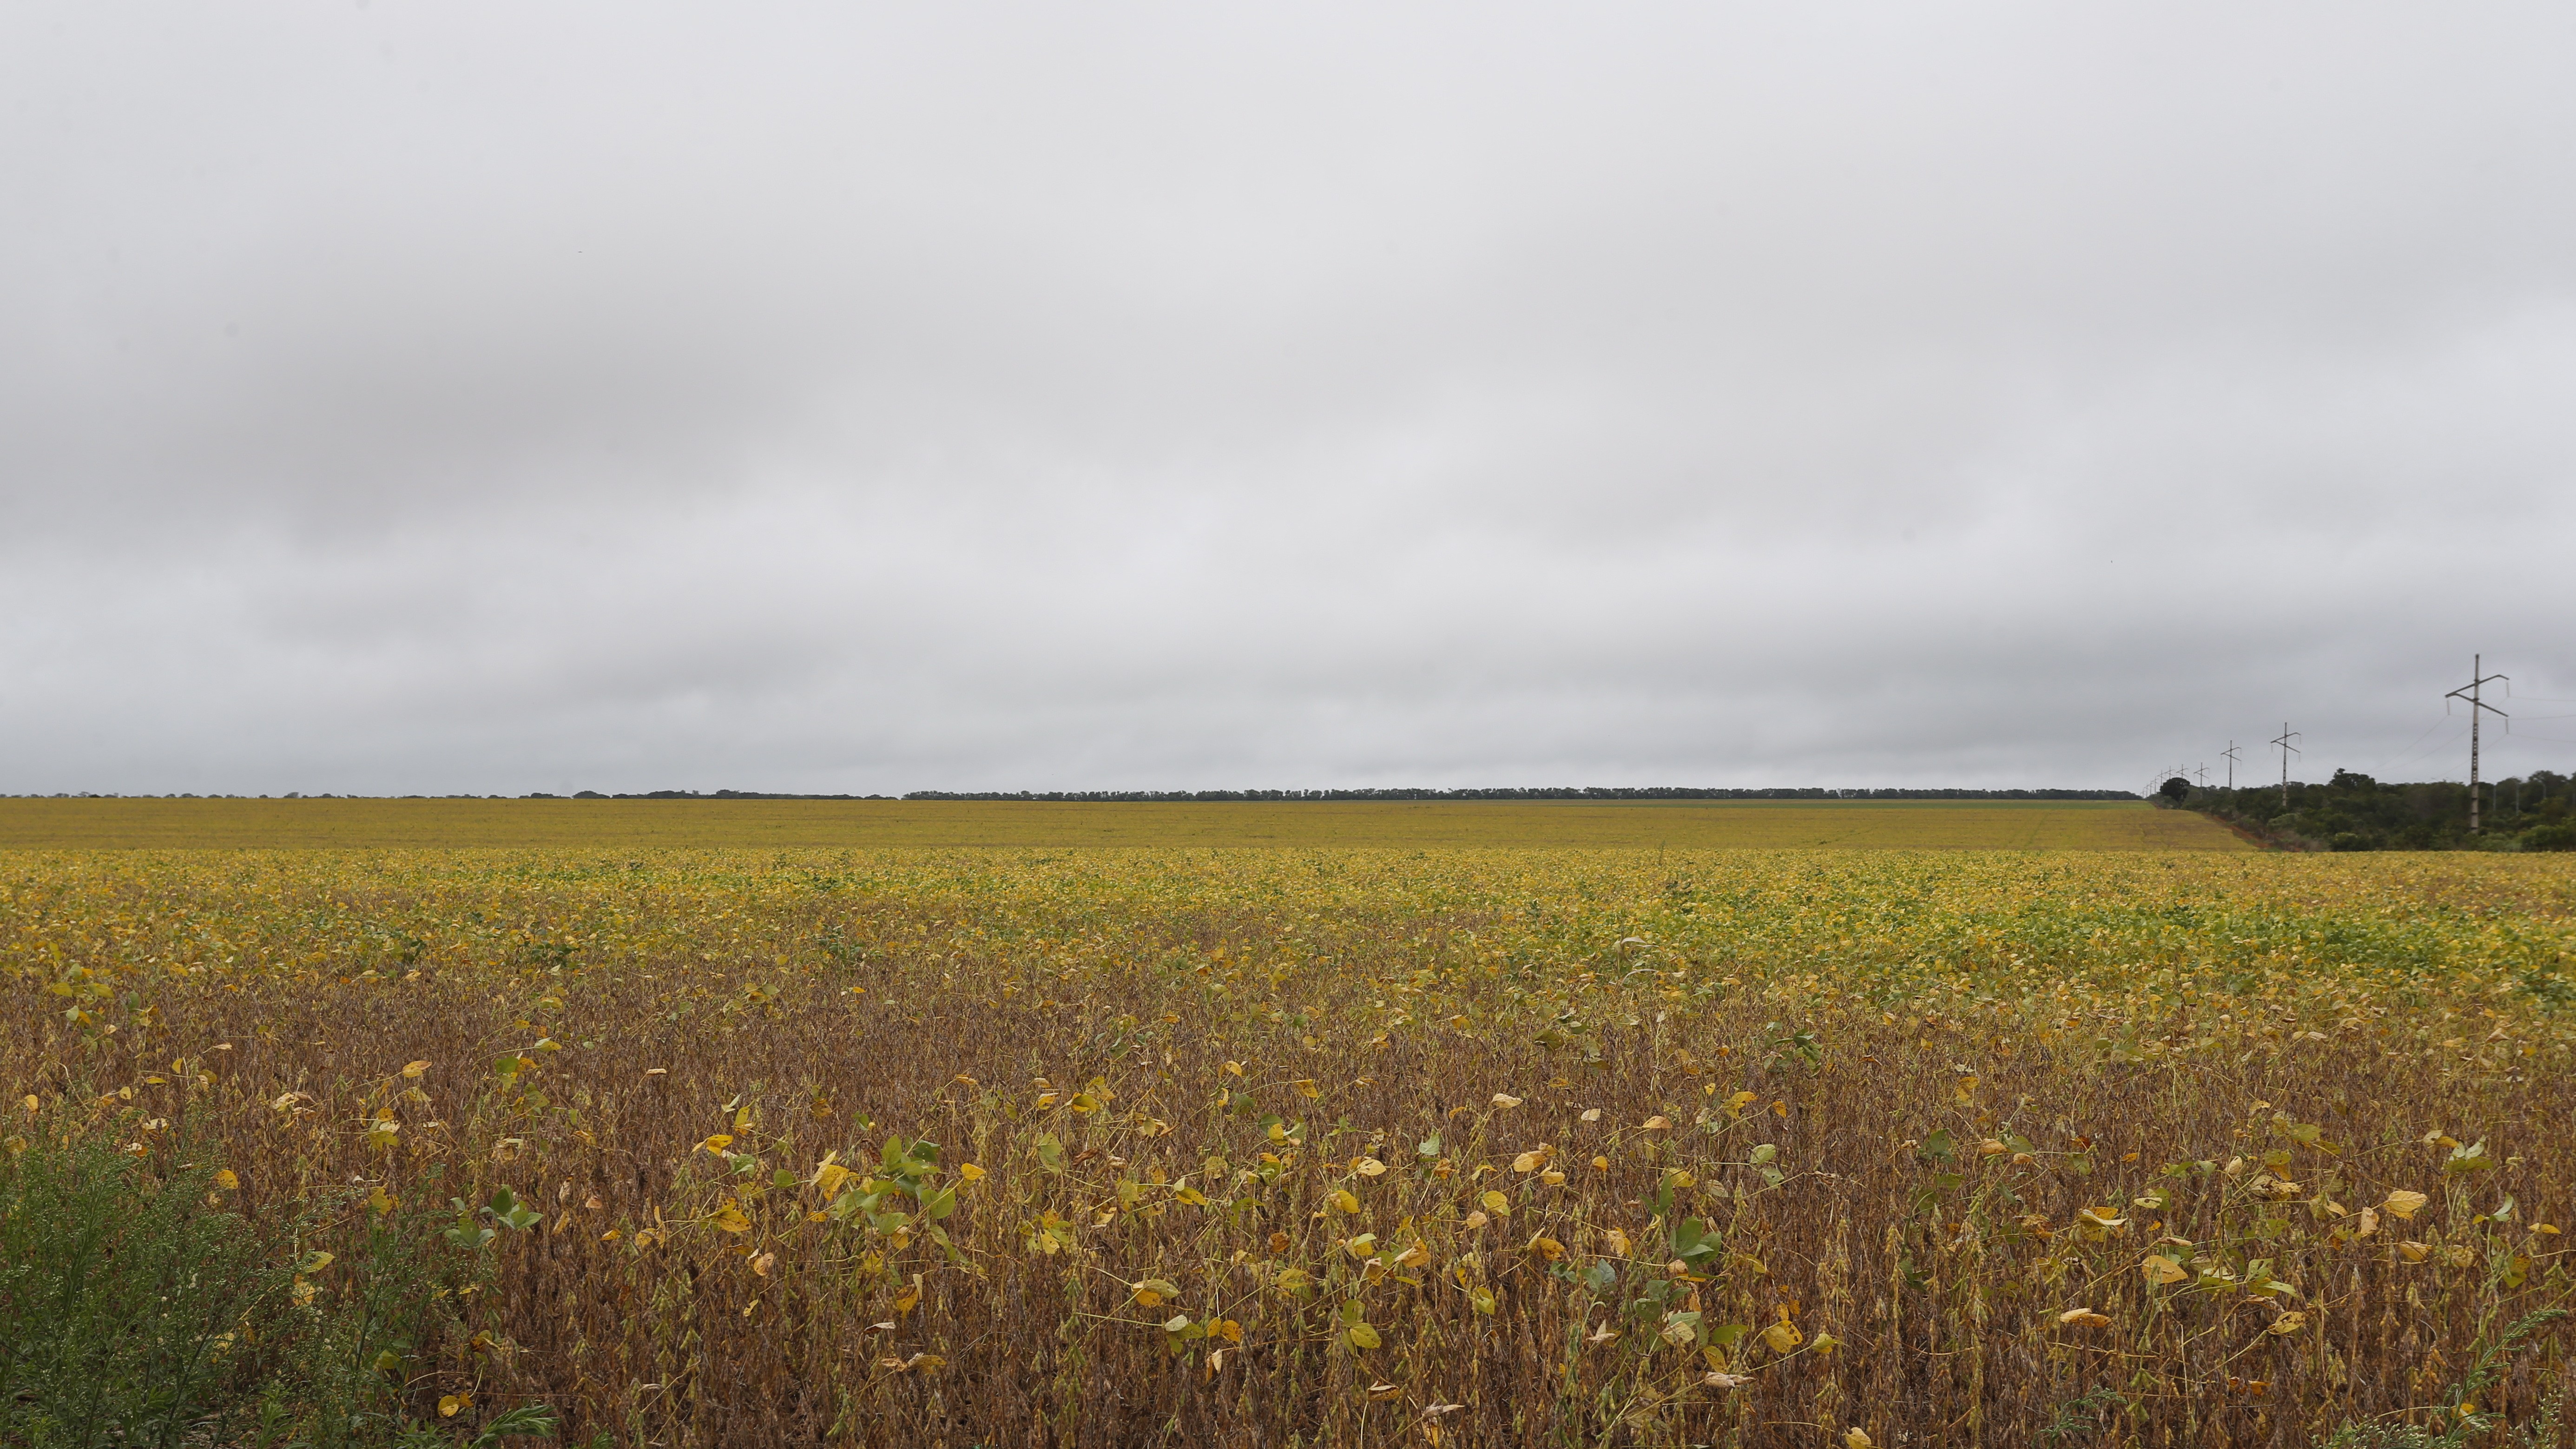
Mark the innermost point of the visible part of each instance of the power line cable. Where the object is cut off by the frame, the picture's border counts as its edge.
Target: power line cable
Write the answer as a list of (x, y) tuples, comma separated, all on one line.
[(2410, 749)]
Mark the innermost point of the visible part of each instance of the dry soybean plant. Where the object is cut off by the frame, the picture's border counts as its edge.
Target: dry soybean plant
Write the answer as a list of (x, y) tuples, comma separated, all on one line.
[(1311, 1147)]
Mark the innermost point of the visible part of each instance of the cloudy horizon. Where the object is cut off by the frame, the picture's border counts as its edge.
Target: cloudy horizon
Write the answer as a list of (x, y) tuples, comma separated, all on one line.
[(408, 399)]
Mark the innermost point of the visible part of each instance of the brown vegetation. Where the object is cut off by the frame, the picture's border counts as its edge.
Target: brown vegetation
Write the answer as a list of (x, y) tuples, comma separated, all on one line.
[(1359, 1148)]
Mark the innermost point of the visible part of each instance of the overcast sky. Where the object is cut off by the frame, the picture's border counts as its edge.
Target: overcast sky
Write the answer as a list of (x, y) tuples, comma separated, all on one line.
[(409, 397)]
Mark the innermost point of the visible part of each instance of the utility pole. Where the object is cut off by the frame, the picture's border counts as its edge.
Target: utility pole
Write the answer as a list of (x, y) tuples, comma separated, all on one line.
[(2231, 764), (2287, 750), (2469, 692), (2203, 772)]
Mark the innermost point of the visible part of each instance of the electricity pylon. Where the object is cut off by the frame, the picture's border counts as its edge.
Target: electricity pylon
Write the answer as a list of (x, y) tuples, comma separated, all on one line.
[(2287, 750), (2469, 692)]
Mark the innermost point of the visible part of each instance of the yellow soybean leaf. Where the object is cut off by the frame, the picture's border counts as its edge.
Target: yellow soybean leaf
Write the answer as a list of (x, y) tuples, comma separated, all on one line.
[(1497, 1204), (761, 1265), (1306, 1087), (2288, 1323), (1361, 1335), (1783, 1336), (2413, 1252), (1657, 1123), (224, 1179), (970, 1172), (1361, 1246), (1343, 1200), (2083, 1318), (414, 1069), (1547, 1247), (2403, 1204), (1506, 1100), (1370, 1167), (1527, 1162), (1855, 1438), (730, 1218), (2161, 1269)]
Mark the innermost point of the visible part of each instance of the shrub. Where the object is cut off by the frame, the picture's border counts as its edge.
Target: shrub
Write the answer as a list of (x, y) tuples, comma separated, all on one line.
[(139, 1305), (2550, 837), (132, 1310)]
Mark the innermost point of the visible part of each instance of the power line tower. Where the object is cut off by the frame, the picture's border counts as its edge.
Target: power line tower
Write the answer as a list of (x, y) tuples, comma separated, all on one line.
[(2469, 692), (2287, 750), (2203, 772), (2230, 755)]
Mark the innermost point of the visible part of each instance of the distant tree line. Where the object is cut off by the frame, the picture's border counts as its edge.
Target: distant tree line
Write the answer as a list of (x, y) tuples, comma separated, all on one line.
[(2355, 812), (695, 795), (1591, 792)]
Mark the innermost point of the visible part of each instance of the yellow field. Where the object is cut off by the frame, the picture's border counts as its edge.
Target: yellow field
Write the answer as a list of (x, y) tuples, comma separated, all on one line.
[(1351, 1146), (803, 824)]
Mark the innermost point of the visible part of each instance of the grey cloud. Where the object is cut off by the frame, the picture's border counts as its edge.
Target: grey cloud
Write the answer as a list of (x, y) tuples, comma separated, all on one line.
[(435, 398)]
